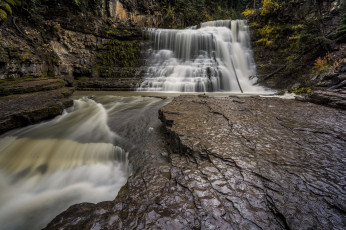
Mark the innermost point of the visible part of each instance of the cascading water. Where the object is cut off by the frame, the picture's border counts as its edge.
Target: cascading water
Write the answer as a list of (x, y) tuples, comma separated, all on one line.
[(217, 57), (76, 157)]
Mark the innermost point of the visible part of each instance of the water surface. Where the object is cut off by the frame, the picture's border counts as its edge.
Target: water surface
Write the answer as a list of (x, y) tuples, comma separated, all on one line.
[(80, 156)]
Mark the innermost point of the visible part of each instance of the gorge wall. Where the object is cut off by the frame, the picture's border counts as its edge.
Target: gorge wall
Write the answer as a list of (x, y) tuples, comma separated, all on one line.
[(100, 43), (72, 42), (299, 45)]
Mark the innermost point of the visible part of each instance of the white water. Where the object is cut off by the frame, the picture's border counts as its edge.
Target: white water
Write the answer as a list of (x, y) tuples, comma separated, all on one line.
[(215, 58), (73, 158)]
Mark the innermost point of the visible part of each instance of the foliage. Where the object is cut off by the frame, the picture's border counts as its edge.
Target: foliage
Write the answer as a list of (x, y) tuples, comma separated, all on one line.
[(326, 64), (340, 35), (269, 33), (248, 11), (6, 7), (11, 2), (269, 6), (301, 90), (304, 36), (3, 15), (192, 12)]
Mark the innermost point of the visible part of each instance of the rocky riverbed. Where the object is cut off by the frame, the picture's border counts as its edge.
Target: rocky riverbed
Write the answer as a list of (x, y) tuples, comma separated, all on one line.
[(230, 163)]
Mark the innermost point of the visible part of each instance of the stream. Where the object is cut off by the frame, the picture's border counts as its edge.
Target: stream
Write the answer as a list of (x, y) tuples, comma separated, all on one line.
[(80, 156)]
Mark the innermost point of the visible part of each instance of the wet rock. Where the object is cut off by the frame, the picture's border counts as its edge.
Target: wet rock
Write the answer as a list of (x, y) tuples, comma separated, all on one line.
[(233, 163), (336, 80), (29, 86), (106, 84), (25, 109), (333, 97), (340, 85)]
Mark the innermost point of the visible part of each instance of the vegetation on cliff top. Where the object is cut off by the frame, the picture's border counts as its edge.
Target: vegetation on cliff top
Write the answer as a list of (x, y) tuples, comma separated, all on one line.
[(192, 12), (6, 8)]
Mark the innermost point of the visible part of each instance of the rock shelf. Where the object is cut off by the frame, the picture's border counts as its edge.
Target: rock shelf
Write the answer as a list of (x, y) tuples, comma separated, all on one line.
[(231, 163)]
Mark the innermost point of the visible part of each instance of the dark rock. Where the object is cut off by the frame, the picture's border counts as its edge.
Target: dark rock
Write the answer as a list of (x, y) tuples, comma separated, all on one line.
[(340, 85), (265, 163), (296, 85), (333, 98), (26, 109), (29, 86), (342, 67), (328, 76), (336, 80)]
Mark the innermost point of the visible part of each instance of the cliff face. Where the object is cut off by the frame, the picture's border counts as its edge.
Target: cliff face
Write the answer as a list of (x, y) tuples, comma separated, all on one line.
[(296, 44), (71, 42)]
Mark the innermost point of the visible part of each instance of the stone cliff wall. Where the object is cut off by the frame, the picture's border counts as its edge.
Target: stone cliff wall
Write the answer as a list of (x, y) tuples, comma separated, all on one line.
[(146, 18), (288, 41), (75, 45), (78, 42)]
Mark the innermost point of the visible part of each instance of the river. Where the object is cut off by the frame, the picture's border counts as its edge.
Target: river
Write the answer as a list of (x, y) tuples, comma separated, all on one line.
[(80, 156)]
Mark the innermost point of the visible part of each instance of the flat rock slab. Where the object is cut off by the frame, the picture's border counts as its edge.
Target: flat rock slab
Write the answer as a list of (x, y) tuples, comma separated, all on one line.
[(26, 109), (29, 86), (232, 163)]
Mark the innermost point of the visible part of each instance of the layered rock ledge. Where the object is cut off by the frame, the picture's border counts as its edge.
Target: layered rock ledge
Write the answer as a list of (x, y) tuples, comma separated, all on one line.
[(29, 102), (333, 98), (231, 163)]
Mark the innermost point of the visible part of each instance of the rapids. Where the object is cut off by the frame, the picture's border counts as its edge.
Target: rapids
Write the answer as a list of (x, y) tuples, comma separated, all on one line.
[(80, 156)]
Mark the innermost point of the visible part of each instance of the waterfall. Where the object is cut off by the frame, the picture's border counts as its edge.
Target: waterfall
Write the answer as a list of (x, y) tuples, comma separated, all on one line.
[(217, 57)]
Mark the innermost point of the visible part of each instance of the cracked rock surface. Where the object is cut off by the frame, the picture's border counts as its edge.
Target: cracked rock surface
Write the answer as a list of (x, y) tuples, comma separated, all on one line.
[(231, 163)]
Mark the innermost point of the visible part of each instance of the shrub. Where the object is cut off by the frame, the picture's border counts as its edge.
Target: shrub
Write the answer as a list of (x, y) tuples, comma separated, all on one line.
[(268, 33), (6, 7), (248, 11), (3, 15), (269, 6), (326, 64)]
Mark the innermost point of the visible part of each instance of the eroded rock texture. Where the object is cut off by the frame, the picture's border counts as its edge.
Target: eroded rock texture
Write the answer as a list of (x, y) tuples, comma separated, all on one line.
[(231, 163)]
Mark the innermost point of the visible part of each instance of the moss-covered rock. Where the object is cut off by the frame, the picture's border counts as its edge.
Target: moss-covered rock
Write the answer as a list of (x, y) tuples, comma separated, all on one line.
[(120, 53)]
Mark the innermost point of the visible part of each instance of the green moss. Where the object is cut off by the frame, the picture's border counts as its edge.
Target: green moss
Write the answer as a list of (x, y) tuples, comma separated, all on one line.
[(28, 78), (120, 53), (82, 78), (56, 27), (301, 90)]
